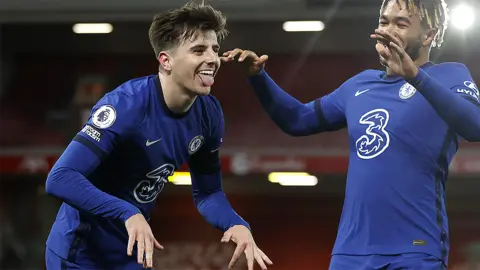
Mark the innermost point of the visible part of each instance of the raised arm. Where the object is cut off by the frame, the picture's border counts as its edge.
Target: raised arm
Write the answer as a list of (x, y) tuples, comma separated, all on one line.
[(290, 115)]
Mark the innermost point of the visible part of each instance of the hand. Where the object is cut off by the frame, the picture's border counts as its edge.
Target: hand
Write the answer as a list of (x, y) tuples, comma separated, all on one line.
[(139, 231), (252, 64), (392, 52), (242, 236)]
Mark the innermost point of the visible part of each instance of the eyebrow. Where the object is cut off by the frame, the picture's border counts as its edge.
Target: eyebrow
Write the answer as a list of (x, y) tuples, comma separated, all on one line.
[(397, 19), (200, 46)]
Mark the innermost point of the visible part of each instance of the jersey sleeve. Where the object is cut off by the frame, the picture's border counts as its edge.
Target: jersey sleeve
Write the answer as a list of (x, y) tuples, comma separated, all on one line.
[(207, 159), (114, 117), (452, 93), (461, 82), (217, 131), (330, 110), (205, 169)]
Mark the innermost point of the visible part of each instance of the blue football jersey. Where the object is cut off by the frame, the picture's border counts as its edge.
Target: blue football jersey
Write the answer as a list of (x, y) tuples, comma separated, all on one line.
[(140, 143), (400, 151)]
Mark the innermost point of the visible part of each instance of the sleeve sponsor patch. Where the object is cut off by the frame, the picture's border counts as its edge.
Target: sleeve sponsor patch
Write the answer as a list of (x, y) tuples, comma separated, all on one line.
[(469, 89), (92, 133)]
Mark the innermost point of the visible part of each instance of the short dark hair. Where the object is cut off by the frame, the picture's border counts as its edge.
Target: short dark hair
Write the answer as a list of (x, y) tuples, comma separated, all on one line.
[(432, 13), (170, 28)]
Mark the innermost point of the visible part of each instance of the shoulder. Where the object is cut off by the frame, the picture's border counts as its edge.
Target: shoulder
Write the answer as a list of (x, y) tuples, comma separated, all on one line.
[(132, 94), (127, 103), (369, 74), (449, 66), (136, 89), (453, 69), (452, 74)]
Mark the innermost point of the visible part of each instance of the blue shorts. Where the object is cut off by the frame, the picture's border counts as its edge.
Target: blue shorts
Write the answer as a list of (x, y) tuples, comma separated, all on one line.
[(408, 261), (55, 262)]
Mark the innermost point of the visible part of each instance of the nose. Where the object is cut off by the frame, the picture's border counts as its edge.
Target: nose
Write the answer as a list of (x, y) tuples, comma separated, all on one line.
[(211, 57), (390, 28)]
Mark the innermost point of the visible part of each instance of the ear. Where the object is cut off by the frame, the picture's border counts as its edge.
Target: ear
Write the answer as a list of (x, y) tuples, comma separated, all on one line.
[(429, 36), (165, 60)]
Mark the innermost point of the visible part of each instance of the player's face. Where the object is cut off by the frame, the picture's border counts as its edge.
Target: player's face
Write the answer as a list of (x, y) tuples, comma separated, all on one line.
[(195, 62), (395, 18)]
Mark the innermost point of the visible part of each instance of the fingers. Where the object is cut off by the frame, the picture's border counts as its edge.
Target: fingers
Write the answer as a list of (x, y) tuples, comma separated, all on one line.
[(391, 42), (236, 255), (259, 259), (139, 232), (380, 39), (392, 37), (225, 59), (264, 257), (246, 54), (383, 51), (156, 244), (234, 53), (226, 237), (398, 50), (242, 55), (149, 252), (140, 248), (131, 243), (261, 60), (249, 253)]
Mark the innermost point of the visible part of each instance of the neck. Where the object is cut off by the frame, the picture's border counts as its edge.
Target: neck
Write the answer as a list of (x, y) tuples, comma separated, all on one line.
[(176, 97)]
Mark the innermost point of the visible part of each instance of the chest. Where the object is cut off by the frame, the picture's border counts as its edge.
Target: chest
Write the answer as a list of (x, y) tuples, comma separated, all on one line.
[(165, 140), (155, 151), (379, 113)]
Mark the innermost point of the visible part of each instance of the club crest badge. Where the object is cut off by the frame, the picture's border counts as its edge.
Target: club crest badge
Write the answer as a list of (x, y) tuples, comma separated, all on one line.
[(406, 91), (195, 144)]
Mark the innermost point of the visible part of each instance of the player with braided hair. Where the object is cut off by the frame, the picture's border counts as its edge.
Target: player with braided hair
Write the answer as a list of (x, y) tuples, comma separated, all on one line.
[(404, 126)]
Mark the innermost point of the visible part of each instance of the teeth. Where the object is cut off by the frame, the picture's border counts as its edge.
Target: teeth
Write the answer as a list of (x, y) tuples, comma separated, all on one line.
[(206, 72)]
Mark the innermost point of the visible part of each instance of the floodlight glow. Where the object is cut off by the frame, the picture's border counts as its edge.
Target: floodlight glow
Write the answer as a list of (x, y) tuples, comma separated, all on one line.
[(303, 26), (92, 28), (293, 179), (463, 17)]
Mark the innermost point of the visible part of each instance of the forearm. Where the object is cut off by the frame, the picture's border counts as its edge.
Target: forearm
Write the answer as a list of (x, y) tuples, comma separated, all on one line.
[(217, 211), (67, 182), (291, 115), (208, 196), (458, 112)]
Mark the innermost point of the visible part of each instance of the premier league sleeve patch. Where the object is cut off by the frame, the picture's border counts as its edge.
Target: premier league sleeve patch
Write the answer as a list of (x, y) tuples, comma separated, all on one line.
[(104, 117)]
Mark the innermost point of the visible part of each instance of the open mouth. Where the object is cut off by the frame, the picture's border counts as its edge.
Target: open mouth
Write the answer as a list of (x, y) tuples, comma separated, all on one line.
[(206, 76)]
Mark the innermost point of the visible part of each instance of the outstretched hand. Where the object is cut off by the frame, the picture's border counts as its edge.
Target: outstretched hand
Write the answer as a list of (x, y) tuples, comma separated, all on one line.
[(139, 232), (242, 236), (250, 61)]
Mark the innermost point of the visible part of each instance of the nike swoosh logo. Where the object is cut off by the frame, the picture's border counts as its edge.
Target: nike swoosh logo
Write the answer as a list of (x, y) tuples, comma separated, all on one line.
[(148, 143), (358, 93)]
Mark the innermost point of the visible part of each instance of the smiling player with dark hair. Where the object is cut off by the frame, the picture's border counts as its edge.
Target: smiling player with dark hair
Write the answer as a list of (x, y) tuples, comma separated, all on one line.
[(404, 125), (112, 172)]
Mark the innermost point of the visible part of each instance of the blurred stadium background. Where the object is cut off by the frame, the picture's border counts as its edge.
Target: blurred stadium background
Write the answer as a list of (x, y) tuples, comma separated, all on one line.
[(51, 74)]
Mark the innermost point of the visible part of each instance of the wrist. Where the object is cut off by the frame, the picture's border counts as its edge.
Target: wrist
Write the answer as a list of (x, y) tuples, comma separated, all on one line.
[(417, 80), (241, 223), (413, 74), (128, 214)]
